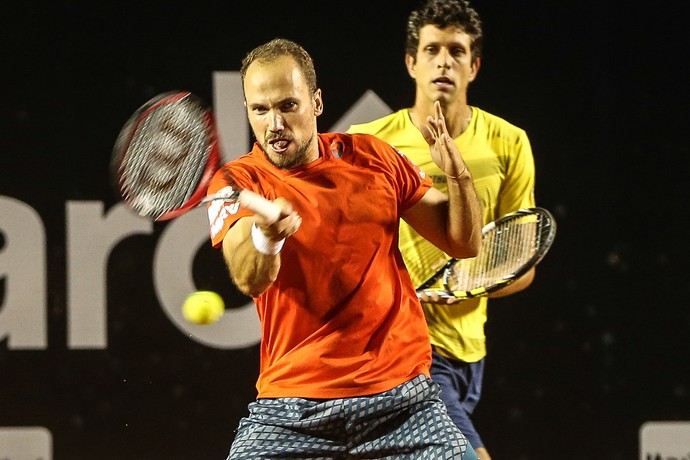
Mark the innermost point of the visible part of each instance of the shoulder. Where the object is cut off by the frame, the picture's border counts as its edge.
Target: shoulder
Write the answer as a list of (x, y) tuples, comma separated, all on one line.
[(361, 149), (244, 169), (356, 141), (495, 123), (375, 127), (253, 160)]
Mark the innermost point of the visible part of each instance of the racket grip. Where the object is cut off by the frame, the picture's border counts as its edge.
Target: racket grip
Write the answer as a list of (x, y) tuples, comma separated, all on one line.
[(259, 205)]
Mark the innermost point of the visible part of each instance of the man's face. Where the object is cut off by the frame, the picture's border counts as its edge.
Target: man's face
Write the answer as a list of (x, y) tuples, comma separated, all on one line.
[(282, 112), (443, 67)]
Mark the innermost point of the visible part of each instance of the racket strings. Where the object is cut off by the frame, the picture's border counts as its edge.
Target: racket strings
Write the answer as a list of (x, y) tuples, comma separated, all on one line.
[(166, 157), (504, 249)]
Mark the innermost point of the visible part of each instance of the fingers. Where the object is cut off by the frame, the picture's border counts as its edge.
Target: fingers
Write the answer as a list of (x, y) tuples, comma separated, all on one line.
[(287, 224), (439, 113), (437, 123), (437, 298), (444, 151)]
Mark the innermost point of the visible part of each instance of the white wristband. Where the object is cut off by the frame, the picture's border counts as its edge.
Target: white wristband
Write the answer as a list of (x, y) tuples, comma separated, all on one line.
[(263, 244)]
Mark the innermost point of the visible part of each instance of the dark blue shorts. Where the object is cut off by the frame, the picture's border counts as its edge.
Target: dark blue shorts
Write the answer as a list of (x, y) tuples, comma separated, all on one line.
[(407, 422), (461, 388)]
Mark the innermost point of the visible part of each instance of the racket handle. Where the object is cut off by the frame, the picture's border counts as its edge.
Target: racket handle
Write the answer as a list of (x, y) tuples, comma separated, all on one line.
[(259, 205)]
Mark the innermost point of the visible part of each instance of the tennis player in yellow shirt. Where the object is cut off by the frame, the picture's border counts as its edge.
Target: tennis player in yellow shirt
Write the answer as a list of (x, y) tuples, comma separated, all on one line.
[(443, 56)]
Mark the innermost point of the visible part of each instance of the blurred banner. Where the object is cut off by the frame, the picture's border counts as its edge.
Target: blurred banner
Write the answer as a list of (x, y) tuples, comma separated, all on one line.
[(664, 440)]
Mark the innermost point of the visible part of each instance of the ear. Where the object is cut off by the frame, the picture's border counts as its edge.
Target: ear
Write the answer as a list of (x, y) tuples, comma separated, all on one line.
[(317, 101), (476, 64), (411, 64)]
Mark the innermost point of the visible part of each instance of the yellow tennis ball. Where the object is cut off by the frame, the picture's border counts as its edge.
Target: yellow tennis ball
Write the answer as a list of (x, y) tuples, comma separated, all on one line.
[(203, 307)]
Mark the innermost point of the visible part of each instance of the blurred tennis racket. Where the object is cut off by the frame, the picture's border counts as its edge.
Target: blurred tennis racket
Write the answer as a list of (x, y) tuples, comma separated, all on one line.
[(165, 156), (511, 246)]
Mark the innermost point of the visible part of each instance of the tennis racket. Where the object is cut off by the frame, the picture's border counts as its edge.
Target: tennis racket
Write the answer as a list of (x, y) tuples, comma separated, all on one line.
[(511, 246), (166, 155)]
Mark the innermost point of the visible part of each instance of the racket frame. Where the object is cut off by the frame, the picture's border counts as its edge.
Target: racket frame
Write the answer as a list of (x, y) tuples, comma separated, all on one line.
[(444, 272), (129, 130)]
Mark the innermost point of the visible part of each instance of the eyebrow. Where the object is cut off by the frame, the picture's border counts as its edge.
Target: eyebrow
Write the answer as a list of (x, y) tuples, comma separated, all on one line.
[(277, 104), (447, 44)]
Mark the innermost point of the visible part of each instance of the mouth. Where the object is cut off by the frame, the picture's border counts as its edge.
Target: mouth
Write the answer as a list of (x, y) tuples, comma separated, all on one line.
[(443, 83), (279, 145)]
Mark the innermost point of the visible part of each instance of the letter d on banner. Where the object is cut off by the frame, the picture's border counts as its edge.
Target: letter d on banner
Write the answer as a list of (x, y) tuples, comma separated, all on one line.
[(231, 115), (173, 278)]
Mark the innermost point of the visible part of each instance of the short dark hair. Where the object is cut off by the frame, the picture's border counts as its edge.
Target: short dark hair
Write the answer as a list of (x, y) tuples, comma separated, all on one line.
[(444, 13), (282, 47)]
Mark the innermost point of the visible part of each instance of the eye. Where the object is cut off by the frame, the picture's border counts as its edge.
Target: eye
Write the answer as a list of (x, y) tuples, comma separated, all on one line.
[(457, 51), (259, 109), (289, 106), (431, 49)]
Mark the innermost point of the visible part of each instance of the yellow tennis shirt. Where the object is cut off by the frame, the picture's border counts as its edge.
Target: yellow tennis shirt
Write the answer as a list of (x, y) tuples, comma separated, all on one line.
[(499, 156)]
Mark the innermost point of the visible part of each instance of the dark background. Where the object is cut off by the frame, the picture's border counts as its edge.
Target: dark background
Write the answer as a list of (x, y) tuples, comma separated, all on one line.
[(597, 346)]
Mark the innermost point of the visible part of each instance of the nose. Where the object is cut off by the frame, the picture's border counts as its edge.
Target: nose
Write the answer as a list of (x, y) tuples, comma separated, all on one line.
[(443, 59), (276, 124)]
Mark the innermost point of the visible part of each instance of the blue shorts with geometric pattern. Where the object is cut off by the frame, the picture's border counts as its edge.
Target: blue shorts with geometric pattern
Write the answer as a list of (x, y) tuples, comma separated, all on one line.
[(461, 388), (407, 422)]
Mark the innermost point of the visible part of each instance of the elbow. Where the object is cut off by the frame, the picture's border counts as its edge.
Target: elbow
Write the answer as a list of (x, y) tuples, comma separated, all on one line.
[(251, 290), (464, 254), (251, 275), (251, 283), (476, 246), (468, 250), (250, 287), (526, 280)]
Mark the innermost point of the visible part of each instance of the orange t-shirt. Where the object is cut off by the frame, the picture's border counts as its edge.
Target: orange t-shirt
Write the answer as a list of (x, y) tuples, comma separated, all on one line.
[(342, 319)]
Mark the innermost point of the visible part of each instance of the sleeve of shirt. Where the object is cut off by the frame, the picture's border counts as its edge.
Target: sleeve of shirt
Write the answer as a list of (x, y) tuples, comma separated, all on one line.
[(410, 181), (221, 214), (518, 188)]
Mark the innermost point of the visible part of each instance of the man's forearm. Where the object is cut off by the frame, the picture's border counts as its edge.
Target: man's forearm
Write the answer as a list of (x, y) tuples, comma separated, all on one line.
[(251, 270), (464, 216)]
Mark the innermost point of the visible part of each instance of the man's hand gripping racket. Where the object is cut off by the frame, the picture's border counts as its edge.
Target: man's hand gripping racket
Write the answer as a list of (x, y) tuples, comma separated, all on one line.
[(165, 156), (511, 246)]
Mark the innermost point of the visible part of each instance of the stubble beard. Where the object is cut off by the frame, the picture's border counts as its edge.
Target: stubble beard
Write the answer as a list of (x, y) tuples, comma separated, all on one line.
[(289, 162)]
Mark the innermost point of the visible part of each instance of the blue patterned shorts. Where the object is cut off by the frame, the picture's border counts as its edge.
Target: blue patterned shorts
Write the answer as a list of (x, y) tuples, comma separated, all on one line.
[(407, 422)]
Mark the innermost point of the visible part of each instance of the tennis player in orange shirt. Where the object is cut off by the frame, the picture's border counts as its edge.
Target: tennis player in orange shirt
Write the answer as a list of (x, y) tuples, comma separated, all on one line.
[(345, 353)]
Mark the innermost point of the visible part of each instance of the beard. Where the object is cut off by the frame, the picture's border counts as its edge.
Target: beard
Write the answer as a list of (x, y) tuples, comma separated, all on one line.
[(282, 161)]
